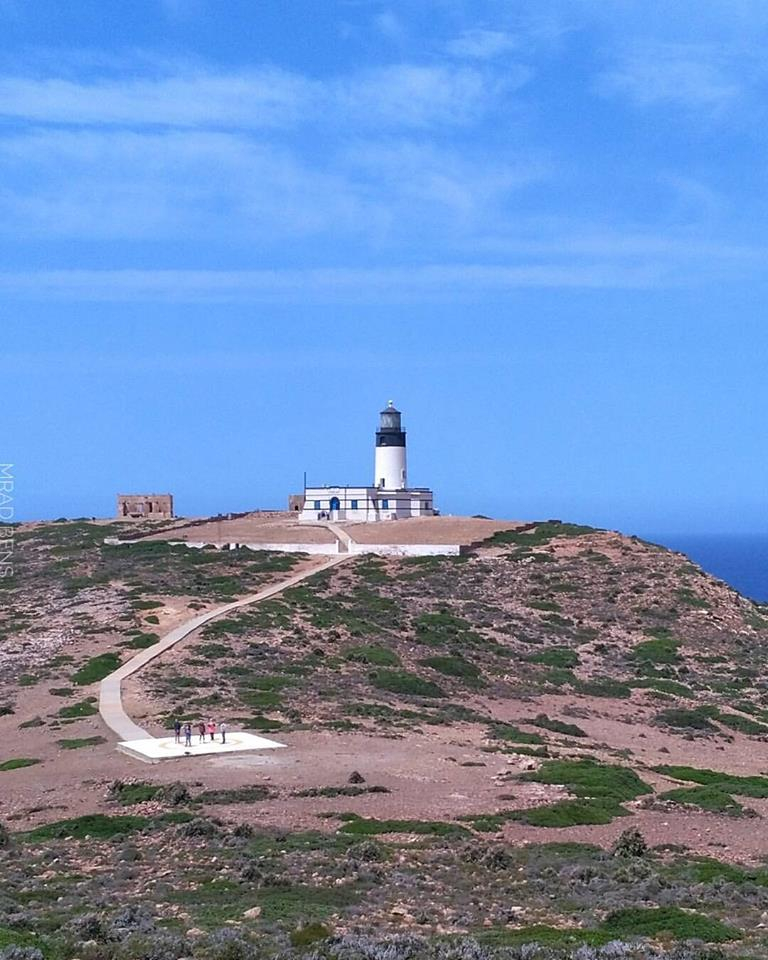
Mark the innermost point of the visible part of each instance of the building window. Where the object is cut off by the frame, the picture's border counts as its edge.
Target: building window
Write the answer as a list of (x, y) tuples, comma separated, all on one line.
[(317, 504), (385, 504), (353, 504)]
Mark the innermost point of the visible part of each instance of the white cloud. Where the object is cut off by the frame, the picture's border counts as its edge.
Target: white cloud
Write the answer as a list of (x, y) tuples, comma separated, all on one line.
[(696, 76), (140, 185), (482, 44), (262, 98), (437, 283), (398, 95)]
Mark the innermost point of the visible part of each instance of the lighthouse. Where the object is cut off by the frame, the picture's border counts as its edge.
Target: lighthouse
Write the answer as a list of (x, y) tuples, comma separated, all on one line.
[(390, 472), (388, 498)]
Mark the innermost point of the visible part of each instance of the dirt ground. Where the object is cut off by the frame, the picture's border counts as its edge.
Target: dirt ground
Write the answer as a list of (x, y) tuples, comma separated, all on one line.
[(439, 775)]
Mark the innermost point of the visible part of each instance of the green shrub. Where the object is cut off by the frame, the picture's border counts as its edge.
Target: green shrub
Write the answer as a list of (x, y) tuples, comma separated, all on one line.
[(664, 685), (654, 921), (512, 734), (84, 708), (591, 779), (16, 763), (662, 649), (404, 683), (309, 934), (96, 669), (360, 827), (742, 724), (557, 726), (711, 799), (80, 742), (141, 641), (698, 718), (542, 534), (556, 657), (373, 654), (602, 687), (756, 787), (452, 666), (571, 813), (96, 825)]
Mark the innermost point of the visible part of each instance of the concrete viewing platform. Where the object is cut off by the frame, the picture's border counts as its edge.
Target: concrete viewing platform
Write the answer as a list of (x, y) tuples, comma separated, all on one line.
[(155, 749)]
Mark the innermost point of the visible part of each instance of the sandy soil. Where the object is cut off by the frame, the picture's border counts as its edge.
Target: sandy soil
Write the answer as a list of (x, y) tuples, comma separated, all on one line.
[(463, 530)]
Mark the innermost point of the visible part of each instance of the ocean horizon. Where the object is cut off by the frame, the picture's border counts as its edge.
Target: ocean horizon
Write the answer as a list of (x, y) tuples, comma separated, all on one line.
[(741, 560)]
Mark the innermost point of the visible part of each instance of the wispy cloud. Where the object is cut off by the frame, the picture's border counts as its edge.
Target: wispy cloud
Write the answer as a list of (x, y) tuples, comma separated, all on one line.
[(397, 95), (695, 76), (435, 283), (482, 44)]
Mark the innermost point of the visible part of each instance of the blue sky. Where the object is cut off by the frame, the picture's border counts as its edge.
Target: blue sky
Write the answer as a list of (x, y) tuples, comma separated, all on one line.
[(230, 231)]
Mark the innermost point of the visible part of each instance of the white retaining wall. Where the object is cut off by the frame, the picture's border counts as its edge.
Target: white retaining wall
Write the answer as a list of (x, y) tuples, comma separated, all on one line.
[(325, 549), (407, 549)]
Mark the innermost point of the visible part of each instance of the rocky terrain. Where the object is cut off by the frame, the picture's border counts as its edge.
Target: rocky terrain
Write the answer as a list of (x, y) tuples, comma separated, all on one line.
[(555, 740)]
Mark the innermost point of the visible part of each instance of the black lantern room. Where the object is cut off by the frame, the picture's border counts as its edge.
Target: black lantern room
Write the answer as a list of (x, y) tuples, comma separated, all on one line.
[(390, 432)]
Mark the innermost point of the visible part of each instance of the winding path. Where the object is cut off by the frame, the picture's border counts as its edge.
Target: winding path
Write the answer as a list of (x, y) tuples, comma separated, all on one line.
[(110, 692)]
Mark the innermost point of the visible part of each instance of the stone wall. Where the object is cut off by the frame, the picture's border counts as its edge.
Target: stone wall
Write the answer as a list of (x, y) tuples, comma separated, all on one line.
[(144, 506)]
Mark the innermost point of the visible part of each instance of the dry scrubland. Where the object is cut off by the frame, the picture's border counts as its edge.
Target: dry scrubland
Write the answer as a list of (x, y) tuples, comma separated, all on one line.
[(553, 747)]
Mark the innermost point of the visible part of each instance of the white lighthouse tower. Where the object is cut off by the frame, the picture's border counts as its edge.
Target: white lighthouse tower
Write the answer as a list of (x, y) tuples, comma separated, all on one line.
[(388, 498), (390, 472)]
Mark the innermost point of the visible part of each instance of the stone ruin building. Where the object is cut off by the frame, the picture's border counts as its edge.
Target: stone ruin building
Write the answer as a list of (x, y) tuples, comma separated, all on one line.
[(144, 506)]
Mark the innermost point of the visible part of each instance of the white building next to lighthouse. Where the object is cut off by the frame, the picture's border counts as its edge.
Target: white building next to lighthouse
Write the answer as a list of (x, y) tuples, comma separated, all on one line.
[(388, 498)]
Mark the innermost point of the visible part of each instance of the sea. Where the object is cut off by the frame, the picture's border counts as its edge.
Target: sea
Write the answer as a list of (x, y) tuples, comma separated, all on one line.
[(739, 559)]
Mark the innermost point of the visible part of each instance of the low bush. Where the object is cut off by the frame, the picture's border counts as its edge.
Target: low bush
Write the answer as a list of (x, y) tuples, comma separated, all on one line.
[(729, 783), (698, 718), (79, 742), (373, 654), (98, 826), (96, 669), (512, 734), (655, 921), (556, 657), (364, 827), (16, 763), (405, 683), (452, 666), (711, 799), (557, 726)]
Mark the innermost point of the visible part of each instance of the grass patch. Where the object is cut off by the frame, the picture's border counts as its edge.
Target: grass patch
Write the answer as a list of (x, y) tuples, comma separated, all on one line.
[(404, 683), (364, 827), (373, 654), (544, 936), (572, 813), (541, 534), (663, 685), (591, 780), (661, 649), (79, 742), (512, 734), (308, 934), (84, 708), (452, 666), (711, 799), (698, 718), (756, 787), (557, 726), (96, 669), (141, 641), (556, 657), (98, 826), (655, 921), (16, 763)]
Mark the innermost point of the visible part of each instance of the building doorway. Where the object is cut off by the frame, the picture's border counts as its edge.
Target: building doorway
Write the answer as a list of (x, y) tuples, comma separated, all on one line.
[(335, 506)]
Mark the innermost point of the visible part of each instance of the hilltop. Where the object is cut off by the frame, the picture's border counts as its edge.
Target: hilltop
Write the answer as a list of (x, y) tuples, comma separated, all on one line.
[(555, 682)]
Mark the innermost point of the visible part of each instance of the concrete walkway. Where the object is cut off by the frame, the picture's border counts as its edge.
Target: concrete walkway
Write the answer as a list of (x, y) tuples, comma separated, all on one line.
[(110, 693), (345, 540)]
